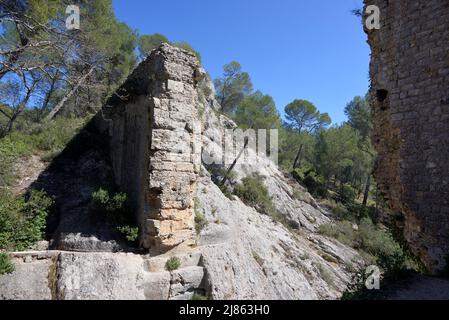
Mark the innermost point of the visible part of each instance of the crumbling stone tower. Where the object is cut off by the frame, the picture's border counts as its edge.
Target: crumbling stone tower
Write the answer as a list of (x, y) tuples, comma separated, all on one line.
[(153, 130), (410, 92)]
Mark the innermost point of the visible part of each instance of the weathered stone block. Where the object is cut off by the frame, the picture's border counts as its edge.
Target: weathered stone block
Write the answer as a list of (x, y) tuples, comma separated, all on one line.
[(154, 140)]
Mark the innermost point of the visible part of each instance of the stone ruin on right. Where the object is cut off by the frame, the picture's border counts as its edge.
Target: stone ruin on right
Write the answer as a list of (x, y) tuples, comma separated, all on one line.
[(409, 73)]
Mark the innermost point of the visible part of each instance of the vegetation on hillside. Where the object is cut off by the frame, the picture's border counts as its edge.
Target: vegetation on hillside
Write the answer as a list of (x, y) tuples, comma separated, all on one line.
[(52, 80), (112, 207), (23, 219), (334, 162)]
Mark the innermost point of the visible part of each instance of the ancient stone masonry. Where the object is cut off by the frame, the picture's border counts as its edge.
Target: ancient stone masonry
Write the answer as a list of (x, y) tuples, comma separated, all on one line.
[(410, 92), (154, 132)]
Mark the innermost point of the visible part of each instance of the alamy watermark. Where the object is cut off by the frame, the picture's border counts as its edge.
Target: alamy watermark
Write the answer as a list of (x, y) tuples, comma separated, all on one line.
[(372, 274), (372, 17), (245, 146), (72, 22)]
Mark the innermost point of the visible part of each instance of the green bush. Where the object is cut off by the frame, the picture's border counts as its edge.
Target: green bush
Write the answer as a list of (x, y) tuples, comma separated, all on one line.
[(55, 135), (346, 194), (370, 240), (200, 219), (22, 221), (172, 264), (253, 192), (200, 222), (199, 297), (343, 231), (12, 148), (113, 207), (131, 233), (309, 178), (50, 138), (339, 210), (381, 244), (5, 265)]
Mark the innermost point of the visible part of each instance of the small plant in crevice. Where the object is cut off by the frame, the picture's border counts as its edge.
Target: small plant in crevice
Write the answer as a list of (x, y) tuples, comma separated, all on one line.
[(199, 297), (260, 261), (173, 264), (325, 274), (5, 264), (200, 219), (112, 207)]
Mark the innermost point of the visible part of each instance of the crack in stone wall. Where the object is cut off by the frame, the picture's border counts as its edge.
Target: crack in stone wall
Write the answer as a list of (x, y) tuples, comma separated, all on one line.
[(410, 92), (155, 136)]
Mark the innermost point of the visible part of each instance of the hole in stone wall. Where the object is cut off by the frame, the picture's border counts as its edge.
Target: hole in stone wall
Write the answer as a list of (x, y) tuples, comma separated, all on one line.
[(382, 95)]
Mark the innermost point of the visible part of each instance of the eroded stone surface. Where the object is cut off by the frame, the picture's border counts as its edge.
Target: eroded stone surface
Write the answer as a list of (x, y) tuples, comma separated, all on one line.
[(410, 81), (154, 141), (61, 275)]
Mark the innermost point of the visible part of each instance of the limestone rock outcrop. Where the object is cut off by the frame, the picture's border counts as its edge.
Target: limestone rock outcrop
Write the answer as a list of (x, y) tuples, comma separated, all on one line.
[(409, 89), (59, 275)]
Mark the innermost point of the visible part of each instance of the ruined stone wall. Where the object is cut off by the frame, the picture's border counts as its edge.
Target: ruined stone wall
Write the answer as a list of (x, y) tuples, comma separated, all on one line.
[(154, 135), (410, 92)]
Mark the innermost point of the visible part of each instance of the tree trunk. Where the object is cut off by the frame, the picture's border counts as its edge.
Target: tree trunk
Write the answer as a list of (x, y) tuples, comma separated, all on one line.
[(225, 178), (61, 104), (367, 187), (297, 162)]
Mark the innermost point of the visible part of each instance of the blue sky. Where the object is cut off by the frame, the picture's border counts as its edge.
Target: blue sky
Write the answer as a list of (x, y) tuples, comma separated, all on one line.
[(305, 49)]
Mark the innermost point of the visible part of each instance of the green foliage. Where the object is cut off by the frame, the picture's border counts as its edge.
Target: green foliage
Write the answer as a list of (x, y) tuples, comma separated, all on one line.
[(147, 43), (199, 297), (39, 46), (289, 143), (257, 111), (200, 219), (347, 194), (187, 46), (381, 244), (370, 239), (113, 207), (11, 149), (23, 220), (314, 183), (258, 259), (302, 115), (253, 192), (131, 233), (343, 231), (50, 138), (5, 264), (358, 112), (339, 210), (336, 151), (232, 87), (172, 264), (325, 274), (55, 135)]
